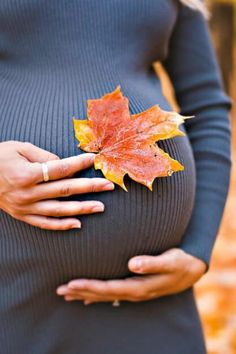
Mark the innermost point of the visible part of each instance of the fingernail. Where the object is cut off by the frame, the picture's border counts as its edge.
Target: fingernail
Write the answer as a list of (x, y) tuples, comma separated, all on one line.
[(109, 186), (77, 225), (60, 291), (137, 264), (98, 207)]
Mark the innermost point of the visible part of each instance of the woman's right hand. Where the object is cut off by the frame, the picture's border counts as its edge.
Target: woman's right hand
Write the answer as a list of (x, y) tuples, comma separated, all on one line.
[(25, 196)]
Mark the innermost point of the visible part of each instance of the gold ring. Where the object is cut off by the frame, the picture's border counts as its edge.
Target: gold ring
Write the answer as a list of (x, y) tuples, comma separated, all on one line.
[(45, 172)]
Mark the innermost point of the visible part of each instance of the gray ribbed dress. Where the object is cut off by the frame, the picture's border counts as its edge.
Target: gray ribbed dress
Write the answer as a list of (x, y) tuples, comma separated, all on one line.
[(54, 55)]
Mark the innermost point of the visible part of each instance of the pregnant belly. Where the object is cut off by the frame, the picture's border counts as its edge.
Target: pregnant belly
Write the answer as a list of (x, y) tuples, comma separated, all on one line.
[(137, 222)]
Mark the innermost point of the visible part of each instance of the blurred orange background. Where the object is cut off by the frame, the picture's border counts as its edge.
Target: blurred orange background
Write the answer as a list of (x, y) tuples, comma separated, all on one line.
[(216, 292)]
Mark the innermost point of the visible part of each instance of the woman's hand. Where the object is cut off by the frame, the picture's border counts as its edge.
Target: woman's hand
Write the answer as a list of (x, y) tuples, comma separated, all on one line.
[(171, 272), (23, 196)]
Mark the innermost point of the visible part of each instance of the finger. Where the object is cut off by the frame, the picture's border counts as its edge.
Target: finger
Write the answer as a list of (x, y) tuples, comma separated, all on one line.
[(57, 208), (164, 263), (87, 300), (96, 299), (137, 294), (92, 297), (63, 290), (59, 169), (73, 298), (85, 295), (65, 188), (36, 154), (48, 223), (130, 289), (121, 289)]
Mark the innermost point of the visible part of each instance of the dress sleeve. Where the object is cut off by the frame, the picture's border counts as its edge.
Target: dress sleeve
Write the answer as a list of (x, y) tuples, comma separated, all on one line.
[(193, 70)]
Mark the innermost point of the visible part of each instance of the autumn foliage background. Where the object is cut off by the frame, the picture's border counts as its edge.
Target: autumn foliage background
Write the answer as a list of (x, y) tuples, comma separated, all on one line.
[(216, 291)]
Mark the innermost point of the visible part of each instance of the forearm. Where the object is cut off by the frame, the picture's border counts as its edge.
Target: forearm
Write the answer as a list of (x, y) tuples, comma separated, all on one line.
[(210, 140), (193, 69)]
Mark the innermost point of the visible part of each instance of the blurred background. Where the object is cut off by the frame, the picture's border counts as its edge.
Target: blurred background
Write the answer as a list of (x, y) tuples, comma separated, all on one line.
[(216, 291)]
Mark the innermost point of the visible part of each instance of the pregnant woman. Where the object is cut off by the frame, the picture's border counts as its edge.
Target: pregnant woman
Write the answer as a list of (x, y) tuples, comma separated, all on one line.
[(146, 249)]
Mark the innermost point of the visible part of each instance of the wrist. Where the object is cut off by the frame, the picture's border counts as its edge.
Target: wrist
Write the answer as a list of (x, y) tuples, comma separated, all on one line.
[(196, 266)]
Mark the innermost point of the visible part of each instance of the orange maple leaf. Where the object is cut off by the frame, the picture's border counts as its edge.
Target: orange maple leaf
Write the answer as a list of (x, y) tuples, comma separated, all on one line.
[(125, 143)]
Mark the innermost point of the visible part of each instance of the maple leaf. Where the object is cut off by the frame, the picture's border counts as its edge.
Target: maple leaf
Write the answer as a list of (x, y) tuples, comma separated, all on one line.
[(125, 143)]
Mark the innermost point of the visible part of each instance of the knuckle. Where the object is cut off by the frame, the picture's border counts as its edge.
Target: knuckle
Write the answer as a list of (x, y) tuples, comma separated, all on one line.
[(111, 289), (21, 198), (43, 225), (147, 264), (83, 208), (15, 214), (63, 226), (51, 156), (177, 259), (172, 266), (58, 211), (17, 209), (64, 169), (21, 179), (93, 187), (140, 294), (83, 163), (28, 145), (178, 254), (66, 190)]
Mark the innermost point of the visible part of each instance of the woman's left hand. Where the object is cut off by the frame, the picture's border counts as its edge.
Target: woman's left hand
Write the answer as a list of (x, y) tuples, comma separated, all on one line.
[(171, 272)]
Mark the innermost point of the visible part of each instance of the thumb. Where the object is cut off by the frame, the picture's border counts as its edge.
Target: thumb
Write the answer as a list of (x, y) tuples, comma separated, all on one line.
[(35, 154), (152, 264)]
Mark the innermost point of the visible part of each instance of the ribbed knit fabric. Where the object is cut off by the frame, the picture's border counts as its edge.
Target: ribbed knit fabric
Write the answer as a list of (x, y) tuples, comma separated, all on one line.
[(54, 55)]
